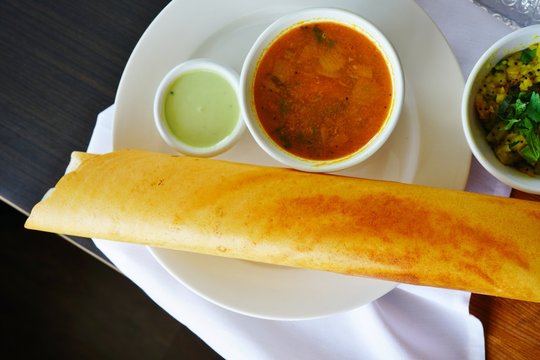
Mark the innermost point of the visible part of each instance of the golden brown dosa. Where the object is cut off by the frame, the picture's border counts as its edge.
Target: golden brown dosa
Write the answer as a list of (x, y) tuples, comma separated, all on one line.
[(387, 230)]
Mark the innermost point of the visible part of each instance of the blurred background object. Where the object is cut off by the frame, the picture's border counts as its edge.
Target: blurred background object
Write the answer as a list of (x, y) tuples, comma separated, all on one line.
[(514, 13)]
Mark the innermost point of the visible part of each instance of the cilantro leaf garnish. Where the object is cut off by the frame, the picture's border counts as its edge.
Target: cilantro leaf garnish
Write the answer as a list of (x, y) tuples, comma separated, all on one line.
[(531, 152), (510, 123), (527, 55), (533, 109), (520, 113), (525, 126), (520, 106)]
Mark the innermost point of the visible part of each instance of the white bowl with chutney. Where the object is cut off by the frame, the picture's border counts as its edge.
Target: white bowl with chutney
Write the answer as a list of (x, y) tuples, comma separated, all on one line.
[(321, 89), (196, 108)]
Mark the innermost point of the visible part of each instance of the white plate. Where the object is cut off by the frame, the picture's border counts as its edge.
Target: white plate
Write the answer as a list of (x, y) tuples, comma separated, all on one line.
[(427, 146)]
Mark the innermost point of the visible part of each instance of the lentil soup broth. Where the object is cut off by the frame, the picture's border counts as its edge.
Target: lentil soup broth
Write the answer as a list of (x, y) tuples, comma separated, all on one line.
[(323, 90)]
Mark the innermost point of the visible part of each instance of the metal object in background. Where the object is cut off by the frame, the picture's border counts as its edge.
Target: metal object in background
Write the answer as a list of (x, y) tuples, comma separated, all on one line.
[(514, 13)]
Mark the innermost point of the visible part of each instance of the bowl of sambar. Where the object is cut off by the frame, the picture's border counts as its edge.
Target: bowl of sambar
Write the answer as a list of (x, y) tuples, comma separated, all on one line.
[(321, 89)]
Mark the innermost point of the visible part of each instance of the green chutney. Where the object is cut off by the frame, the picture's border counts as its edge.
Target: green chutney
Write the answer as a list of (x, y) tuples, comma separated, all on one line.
[(201, 108)]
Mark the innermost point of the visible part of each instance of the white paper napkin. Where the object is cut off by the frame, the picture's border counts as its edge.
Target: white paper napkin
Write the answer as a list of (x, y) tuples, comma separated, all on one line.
[(410, 322)]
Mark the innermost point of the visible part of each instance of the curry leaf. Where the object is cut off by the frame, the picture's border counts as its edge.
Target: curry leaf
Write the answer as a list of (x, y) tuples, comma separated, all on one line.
[(504, 106), (321, 37), (319, 34)]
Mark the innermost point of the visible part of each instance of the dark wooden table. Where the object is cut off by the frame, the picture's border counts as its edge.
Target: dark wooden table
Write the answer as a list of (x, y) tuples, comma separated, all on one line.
[(61, 62)]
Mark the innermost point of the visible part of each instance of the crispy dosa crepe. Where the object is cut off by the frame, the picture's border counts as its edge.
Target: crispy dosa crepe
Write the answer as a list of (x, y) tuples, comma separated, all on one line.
[(387, 230)]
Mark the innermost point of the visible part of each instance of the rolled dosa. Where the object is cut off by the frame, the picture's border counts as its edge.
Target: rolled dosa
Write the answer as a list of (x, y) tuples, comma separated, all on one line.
[(388, 230)]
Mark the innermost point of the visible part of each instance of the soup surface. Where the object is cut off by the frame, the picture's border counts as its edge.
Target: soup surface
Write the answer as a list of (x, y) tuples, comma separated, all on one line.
[(322, 90)]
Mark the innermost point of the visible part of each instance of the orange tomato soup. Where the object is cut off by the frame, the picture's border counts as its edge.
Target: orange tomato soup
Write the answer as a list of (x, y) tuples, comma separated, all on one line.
[(322, 90)]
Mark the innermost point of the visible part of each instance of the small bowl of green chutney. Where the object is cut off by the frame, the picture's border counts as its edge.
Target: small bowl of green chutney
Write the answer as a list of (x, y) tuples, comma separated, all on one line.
[(196, 108)]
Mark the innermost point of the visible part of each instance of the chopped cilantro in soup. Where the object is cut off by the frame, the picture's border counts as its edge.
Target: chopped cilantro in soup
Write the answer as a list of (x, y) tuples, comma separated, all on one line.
[(508, 106)]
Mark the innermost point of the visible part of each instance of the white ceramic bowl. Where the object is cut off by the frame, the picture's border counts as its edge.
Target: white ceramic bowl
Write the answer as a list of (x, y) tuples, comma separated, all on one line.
[(208, 101), (274, 31), (474, 133)]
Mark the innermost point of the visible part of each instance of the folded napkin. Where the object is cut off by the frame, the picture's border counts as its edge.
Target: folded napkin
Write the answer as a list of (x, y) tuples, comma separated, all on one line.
[(410, 322)]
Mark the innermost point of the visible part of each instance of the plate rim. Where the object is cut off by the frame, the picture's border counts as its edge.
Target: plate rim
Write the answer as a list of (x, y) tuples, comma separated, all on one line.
[(458, 183)]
